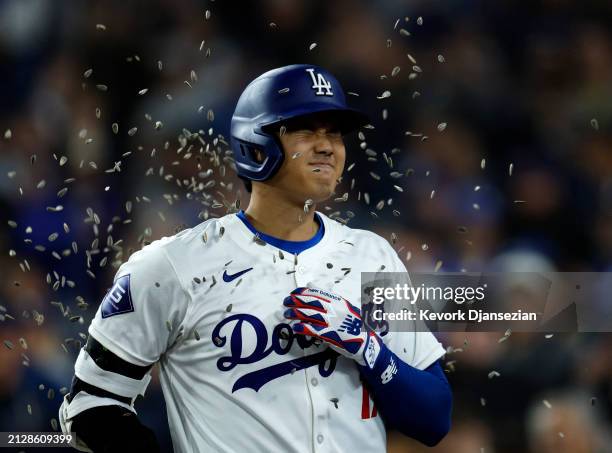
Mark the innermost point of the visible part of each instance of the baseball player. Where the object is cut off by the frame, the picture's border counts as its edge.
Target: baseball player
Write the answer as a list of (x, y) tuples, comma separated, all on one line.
[(255, 318)]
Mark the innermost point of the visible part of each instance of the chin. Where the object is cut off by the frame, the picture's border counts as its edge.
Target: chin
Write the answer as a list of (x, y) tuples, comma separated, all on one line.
[(322, 192)]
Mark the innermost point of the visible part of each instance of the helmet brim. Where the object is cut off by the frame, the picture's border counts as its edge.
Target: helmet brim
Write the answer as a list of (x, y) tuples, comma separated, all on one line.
[(346, 120)]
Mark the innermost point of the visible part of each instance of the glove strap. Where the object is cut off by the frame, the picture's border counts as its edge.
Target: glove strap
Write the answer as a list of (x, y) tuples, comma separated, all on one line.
[(372, 350)]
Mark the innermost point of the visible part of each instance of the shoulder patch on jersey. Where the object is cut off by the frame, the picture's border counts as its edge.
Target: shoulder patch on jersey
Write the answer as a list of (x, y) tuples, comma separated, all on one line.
[(119, 299)]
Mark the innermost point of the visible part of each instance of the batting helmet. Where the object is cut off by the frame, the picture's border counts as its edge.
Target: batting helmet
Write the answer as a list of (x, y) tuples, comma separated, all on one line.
[(275, 97)]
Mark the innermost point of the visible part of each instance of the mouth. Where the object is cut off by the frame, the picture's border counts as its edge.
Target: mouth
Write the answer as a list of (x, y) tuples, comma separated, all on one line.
[(322, 167)]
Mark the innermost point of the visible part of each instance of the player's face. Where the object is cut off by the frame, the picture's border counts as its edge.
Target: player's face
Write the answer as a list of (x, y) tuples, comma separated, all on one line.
[(314, 160)]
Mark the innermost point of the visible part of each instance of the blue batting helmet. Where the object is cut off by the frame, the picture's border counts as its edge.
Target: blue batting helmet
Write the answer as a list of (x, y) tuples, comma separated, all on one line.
[(275, 97)]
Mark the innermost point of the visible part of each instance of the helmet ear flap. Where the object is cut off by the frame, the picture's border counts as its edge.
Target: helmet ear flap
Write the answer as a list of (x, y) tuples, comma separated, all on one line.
[(252, 153)]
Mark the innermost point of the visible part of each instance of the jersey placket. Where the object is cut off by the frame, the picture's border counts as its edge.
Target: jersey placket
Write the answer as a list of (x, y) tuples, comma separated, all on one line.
[(303, 277)]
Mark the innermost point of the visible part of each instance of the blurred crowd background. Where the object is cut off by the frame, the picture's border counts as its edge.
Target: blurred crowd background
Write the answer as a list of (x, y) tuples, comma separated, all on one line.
[(497, 124)]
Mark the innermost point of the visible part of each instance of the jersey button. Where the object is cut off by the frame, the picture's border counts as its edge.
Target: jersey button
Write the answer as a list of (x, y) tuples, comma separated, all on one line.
[(314, 381), (320, 438)]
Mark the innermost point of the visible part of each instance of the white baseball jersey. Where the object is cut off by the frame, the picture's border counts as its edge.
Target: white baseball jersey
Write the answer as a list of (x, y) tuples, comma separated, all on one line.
[(207, 304)]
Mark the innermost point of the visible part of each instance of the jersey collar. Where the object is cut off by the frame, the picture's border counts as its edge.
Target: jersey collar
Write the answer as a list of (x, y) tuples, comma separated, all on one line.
[(294, 247)]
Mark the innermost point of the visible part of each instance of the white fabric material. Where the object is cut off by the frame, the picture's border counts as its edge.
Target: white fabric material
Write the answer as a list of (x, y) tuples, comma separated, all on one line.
[(81, 402), (234, 376), (87, 370)]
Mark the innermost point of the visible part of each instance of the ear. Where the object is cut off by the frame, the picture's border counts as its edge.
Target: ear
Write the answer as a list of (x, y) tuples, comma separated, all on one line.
[(259, 155)]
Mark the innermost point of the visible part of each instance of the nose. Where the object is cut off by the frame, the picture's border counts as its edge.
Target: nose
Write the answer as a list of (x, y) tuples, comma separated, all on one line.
[(323, 144)]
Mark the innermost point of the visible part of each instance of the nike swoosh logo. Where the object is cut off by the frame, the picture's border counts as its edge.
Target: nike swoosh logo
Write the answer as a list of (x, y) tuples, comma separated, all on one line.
[(229, 277)]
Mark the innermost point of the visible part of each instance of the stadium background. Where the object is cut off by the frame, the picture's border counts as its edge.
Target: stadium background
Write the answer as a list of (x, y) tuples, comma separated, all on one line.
[(521, 83)]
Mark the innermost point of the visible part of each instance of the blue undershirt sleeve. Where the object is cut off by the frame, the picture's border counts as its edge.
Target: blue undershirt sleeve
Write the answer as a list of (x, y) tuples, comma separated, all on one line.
[(417, 403)]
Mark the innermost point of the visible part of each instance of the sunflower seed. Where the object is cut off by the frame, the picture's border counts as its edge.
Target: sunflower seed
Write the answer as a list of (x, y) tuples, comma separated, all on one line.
[(102, 87), (419, 20), (8, 134), (384, 95), (283, 91), (441, 58), (483, 164), (595, 124), (88, 73), (441, 127), (100, 27), (312, 46), (395, 71), (143, 92), (547, 404), (510, 169), (493, 374), (132, 131)]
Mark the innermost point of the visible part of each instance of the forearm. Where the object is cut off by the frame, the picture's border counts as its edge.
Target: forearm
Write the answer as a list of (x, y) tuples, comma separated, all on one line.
[(417, 403), (113, 428)]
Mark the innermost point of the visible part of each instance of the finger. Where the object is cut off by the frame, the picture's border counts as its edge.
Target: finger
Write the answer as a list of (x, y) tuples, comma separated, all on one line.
[(307, 316), (297, 301), (353, 309), (315, 294)]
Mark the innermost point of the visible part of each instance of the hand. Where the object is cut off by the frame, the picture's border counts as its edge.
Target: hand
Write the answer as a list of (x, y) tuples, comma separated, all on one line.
[(334, 320)]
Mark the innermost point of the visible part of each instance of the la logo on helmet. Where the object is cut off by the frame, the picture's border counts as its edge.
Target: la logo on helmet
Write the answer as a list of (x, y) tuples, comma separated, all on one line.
[(319, 83)]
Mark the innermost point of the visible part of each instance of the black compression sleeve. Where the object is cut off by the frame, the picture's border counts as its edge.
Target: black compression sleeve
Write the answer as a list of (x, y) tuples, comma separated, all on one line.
[(111, 429)]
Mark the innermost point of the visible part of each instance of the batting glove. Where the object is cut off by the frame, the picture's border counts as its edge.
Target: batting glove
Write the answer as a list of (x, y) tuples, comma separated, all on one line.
[(334, 320)]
